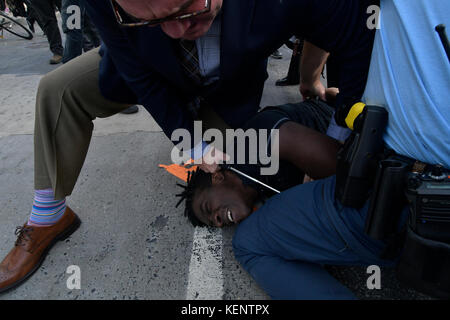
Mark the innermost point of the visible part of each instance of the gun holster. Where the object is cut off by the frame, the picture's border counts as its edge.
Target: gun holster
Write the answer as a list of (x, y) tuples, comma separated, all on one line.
[(357, 159), (366, 170), (388, 199)]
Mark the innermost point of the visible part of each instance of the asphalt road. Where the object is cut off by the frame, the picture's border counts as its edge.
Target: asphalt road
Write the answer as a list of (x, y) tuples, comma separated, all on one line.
[(133, 243)]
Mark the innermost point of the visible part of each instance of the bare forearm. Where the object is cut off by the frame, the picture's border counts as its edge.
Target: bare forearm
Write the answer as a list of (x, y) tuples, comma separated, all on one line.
[(313, 62), (312, 152)]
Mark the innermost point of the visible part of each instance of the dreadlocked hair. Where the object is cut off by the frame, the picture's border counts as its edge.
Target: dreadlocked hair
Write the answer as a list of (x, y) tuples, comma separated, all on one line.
[(197, 180)]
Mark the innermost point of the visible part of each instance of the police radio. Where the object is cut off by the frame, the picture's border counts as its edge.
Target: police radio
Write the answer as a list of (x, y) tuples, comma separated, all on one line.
[(428, 193)]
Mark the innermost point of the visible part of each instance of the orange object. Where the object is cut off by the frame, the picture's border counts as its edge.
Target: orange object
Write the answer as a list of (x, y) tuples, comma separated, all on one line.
[(179, 171)]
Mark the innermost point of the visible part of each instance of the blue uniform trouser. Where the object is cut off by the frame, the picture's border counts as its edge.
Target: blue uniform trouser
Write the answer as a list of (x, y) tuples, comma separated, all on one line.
[(285, 244)]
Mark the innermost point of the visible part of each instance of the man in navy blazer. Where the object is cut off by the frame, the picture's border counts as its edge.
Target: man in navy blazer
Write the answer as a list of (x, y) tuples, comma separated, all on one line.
[(143, 59), (176, 58)]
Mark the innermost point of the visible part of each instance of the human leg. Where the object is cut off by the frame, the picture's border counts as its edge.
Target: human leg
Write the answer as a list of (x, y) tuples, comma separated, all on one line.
[(67, 102), (293, 76), (46, 12), (285, 244), (73, 46), (32, 16)]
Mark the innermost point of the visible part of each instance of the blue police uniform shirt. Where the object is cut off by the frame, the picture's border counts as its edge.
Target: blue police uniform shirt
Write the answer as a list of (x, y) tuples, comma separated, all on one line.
[(410, 76)]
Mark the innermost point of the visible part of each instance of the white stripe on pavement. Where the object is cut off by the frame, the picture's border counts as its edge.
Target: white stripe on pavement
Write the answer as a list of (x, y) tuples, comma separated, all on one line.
[(205, 280)]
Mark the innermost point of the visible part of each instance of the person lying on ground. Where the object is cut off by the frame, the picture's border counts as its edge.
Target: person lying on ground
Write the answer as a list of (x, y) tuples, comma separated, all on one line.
[(226, 198)]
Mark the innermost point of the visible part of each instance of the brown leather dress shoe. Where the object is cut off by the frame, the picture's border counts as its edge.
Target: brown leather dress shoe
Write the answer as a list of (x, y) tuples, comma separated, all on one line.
[(31, 248)]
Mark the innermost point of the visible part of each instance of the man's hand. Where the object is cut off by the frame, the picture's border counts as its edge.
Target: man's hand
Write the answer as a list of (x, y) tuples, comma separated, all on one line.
[(212, 159), (317, 89), (313, 90), (330, 94), (312, 64)]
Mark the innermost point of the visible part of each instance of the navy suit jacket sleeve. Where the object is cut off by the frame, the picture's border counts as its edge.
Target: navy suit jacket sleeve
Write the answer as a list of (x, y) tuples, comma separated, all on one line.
[(140, 84), (140, 65)]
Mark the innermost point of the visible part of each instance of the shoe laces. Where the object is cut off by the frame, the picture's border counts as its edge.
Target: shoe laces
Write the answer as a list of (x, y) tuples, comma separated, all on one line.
[(23, 235)]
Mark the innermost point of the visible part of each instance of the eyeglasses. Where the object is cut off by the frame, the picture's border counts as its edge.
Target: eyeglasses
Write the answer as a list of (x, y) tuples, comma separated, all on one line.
[(126, 20)]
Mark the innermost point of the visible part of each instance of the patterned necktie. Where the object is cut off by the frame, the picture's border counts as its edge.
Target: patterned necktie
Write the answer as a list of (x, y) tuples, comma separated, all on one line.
[(188, 56)]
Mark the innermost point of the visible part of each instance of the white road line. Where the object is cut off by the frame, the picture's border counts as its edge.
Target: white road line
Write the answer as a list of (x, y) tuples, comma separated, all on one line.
[(205, 280)]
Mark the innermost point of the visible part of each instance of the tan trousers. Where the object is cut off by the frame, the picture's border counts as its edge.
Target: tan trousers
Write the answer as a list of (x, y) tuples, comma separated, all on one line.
[(67, 102)]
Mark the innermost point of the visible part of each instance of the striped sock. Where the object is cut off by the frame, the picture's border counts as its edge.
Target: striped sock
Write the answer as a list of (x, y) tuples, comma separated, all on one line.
[(46, 210)]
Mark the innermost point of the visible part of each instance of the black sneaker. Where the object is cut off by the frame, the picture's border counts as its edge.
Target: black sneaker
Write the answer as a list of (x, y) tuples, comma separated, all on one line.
[(286, 82), (277, 55), (130, 110)]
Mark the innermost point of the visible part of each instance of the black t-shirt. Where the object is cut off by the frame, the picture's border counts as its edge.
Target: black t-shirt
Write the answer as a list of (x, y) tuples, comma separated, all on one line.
[(311, 113)]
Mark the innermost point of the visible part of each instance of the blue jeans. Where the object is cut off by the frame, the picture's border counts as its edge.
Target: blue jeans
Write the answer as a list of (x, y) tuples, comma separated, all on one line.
[(77, 39), (285, 244)]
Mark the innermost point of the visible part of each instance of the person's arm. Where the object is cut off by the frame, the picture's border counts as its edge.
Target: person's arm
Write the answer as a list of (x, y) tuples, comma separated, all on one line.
[(312, 63), (314, 153)]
